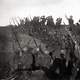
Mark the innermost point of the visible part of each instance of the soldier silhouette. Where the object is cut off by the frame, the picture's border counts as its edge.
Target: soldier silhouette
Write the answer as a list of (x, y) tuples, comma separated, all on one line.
[(70, 21)]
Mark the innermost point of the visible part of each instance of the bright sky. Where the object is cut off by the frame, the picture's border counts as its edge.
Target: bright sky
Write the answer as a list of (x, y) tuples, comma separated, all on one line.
[(57, 8)]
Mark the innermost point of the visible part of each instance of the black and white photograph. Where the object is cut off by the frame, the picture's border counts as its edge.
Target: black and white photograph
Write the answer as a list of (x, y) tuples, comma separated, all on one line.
[(39, 40)]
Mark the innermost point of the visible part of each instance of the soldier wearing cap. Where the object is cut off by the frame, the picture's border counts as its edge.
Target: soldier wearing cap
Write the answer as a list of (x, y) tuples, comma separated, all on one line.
[(43, 20), (50, 21), (70, 21)]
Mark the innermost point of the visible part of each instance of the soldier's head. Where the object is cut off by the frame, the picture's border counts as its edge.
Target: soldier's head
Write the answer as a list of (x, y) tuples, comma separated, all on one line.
[(71, 17), (43, 16), (63, 53)]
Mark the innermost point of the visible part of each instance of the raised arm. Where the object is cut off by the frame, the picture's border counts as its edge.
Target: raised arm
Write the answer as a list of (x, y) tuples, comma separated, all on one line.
[(66, 17)]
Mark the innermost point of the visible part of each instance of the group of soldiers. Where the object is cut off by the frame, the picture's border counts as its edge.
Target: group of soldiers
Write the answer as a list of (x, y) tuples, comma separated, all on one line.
[(30, 59), (49, 21), (59, 68), (54, 68), (42, 21)]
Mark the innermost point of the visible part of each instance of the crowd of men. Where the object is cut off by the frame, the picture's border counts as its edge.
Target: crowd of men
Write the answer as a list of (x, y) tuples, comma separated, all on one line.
[(30, 60), (60, 68), (49, 21), (57, 69)]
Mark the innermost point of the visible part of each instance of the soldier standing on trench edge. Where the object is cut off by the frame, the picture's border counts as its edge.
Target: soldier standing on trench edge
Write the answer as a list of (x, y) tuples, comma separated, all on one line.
[(70, 21)]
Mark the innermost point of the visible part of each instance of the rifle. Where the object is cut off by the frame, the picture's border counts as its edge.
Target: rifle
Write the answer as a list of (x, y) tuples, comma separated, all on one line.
[(16, 39), (17, 22), (38, 47)]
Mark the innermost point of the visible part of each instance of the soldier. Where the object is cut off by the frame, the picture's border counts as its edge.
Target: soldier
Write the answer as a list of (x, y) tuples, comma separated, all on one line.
[(35, 24), (27, 22), (35, 21), (70, 20), (58, 21), (27, 58), (50, 21), (56, 70), (22, 22), (43, 20)]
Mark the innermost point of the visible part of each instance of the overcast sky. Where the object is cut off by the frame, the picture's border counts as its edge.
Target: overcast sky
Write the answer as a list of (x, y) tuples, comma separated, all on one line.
[(22, 8)]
